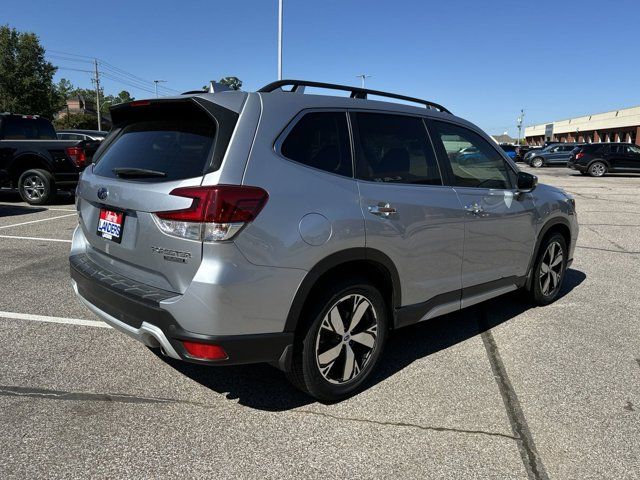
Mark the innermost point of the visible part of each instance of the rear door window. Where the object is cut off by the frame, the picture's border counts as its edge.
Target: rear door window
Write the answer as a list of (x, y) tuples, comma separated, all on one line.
[(395, 149), (178, 148), (320, 140)]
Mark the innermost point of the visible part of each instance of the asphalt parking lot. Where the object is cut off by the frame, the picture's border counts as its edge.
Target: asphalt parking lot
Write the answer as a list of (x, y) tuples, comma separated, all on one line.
[(502, 390)]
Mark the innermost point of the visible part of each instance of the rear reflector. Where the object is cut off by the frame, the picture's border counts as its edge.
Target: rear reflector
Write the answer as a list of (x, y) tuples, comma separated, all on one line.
[(140, 103), (205, 351), (216, 212), (77, 156)]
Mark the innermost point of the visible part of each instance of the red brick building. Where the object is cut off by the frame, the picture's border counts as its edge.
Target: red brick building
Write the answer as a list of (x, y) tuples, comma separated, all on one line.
[(614, 126)]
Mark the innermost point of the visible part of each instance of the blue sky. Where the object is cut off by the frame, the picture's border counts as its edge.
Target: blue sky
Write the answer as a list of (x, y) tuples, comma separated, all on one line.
[(484, 60)]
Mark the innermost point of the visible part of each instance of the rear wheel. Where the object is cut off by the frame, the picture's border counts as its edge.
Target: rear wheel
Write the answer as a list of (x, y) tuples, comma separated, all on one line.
[(549, 270), (341, 345), (37, 187), (537, 162), (597, 169)]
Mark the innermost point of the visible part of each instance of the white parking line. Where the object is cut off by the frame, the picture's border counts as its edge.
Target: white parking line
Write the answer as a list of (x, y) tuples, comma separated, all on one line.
[(15, 237), (36, 221), (44, 318)]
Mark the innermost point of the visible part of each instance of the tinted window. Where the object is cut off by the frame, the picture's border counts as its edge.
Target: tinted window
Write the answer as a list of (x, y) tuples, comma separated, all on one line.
[(475, 163), (616, 149), (18, 128), (396, 149), (178, 148), (633, 149), (320, 140), (70, 136)]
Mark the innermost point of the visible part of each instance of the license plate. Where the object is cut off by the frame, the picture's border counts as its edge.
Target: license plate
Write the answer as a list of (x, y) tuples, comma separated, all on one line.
[(110, 225)]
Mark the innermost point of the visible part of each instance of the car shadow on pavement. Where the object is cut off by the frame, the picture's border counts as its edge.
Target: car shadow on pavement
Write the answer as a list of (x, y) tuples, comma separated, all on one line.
[(12, 196), (14, 210), (265, 388)]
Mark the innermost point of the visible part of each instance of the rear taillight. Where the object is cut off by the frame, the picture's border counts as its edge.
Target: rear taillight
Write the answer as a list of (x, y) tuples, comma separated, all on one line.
[(77, 156), (579, 155), (205, 351), (216, 213)]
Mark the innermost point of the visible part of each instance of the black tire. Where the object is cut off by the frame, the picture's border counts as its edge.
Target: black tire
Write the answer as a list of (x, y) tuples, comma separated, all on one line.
[(313, 341), (538, 160), (37, 187), (597, 169), (537, 291)]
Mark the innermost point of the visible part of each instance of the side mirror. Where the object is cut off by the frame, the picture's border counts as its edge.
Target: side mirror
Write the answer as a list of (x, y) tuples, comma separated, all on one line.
[(526, 182)]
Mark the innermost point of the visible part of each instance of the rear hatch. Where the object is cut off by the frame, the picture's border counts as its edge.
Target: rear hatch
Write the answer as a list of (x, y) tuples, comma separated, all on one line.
[(156, 147)]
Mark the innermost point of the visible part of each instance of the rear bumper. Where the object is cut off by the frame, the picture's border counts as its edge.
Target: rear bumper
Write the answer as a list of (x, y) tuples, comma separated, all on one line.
[(136, 310), (575, 166)]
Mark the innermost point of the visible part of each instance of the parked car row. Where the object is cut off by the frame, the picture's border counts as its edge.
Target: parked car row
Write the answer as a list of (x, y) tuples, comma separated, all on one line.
[(595, 159)]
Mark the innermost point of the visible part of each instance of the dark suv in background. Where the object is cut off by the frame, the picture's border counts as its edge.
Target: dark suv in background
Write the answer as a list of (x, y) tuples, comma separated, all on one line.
[(596, 159), (556, 154)]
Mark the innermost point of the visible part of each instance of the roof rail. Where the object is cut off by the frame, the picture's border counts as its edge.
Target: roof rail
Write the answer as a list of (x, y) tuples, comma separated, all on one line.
[(356, 92)]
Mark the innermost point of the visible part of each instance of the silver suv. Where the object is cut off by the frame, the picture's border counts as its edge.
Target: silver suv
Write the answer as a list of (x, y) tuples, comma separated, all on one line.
[(300, 229)]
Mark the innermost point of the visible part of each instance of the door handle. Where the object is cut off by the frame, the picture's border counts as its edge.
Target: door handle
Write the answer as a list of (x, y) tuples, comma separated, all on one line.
[(474, 208), (382, 209)]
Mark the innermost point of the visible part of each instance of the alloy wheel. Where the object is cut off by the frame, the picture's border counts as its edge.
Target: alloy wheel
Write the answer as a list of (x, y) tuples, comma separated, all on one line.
[(347, 339), (537, 162), (551, 269), (33, 187), (597, 169)]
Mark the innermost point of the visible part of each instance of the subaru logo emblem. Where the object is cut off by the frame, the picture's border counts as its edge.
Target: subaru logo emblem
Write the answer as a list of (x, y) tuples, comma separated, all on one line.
[(103, 193)]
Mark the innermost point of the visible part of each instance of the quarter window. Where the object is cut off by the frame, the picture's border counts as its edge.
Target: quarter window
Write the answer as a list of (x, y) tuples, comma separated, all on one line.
[(395, 149), (320, 140), (474, 162)]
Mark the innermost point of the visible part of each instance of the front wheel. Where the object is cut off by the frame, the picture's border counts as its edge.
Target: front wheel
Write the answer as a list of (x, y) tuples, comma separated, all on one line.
[(537, 162), (37, 187), (597, 169), (340, 347), (549, 270)]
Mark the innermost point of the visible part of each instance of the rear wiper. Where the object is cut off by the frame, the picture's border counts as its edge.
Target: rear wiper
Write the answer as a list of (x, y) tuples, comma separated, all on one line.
[(129, 172)]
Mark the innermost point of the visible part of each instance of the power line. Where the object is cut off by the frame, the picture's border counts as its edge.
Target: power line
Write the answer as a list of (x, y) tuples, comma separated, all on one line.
[(74, 69), (118, 74)]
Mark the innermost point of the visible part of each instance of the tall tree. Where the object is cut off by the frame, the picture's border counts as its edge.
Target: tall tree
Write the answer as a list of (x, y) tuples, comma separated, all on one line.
[(234, 83), (26, 78)]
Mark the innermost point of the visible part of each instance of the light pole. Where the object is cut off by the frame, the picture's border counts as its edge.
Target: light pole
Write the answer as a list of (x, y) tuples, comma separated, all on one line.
[(280, 39), (362, 77), (157, 82), (520, 119)]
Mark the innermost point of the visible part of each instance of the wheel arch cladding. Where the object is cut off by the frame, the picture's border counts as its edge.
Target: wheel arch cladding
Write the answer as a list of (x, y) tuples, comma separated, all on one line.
[(353, 262), (555, 225)]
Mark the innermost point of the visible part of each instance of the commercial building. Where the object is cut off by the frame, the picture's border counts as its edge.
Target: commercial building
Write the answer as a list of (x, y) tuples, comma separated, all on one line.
[(615, 126)]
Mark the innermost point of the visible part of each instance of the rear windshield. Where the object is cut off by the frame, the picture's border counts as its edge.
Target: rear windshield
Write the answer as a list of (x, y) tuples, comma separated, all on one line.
[(18, 128), (178, 148)]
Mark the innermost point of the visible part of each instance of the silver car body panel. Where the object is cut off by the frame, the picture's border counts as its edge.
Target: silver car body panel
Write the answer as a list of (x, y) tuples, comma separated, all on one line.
[(248, 285)]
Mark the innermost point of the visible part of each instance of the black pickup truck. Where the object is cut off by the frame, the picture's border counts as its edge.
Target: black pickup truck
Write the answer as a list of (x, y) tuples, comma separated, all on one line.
[(34, 161)]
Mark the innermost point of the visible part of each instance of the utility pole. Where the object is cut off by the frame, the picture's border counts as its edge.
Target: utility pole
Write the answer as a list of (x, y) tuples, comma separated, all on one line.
[(362, 77), (157, 82), (280, 39), (520, 120), (97, 81)]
